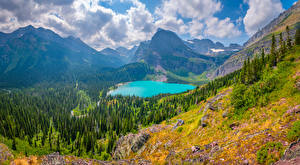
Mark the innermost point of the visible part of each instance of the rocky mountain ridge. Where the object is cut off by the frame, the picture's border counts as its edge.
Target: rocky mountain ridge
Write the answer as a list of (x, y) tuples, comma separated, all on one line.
[(262, 39), (275, 25)]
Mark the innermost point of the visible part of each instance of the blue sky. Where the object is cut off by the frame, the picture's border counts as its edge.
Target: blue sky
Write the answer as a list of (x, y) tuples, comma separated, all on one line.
[(113, 23), (234, 9)]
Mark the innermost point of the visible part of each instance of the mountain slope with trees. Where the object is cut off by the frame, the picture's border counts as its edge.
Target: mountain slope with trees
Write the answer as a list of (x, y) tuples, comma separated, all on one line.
[(262, 39), (30, 55)]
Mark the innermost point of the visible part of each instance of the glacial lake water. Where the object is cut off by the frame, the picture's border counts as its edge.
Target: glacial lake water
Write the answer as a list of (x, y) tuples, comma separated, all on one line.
[(150, 88)]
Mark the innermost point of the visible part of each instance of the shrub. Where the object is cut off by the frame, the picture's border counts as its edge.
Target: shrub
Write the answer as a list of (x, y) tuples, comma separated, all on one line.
[(269, 153), (179, 129), (238, 99), (294, 132)]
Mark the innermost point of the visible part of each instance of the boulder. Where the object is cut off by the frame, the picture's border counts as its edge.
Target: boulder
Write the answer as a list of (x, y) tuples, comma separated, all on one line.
[(130, 143), (298, 84), (195, 149), (245, 162), (203, 124), (212, 107), (139, 142), (234, 126), (204, 120), (199, 160), (295, 109), (291, 155), (225, 114), (179, 123), (53, 159)]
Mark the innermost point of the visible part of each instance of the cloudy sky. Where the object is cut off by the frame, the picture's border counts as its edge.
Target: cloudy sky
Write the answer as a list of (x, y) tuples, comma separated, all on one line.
[(113, 23)]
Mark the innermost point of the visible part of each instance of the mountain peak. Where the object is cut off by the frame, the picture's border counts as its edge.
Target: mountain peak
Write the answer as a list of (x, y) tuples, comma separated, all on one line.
[(110, 51), (160, 29), (29, 27), (165, 41)]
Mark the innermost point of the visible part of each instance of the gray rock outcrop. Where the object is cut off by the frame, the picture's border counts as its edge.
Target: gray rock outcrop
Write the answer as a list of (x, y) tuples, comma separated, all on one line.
[(130, 143), (54, 159), (180, 122)]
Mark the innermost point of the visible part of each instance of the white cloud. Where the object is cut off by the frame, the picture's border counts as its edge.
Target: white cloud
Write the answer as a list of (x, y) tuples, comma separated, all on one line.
[(102, 27), (98, 26), (260, 13), (221, 28), (196, 29), (201, 13), (173, 24), (198, 9)]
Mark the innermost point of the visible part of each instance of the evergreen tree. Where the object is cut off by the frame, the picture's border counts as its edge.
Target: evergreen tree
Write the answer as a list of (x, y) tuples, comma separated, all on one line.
[(14, 147), (263, 60), (273, 54), (58, 145), (282, 47), (288, 40), (297, 37)]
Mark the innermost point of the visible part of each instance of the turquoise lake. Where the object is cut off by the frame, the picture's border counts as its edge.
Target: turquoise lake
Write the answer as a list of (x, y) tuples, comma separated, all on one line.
[(150, 88)]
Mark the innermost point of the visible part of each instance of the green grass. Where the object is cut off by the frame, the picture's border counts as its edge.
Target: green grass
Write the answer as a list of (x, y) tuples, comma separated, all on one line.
[(85, 104), (191, 78), (294, 132), (270, 153)]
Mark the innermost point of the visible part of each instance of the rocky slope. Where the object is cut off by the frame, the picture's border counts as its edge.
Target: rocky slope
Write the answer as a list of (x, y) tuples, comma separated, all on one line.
[(262, 39)]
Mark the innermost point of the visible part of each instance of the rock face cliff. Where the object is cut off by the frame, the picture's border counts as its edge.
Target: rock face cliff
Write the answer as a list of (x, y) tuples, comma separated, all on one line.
[(261, 39)]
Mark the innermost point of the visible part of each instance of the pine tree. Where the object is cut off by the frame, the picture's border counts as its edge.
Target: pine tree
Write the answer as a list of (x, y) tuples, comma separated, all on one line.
[(282, 47), (273, 60), (288, 40), (297, 37), (14, 147), (263, 60), (58, 145)]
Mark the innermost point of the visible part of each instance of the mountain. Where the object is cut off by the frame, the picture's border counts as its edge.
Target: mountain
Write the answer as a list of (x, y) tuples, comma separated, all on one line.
[(122, 54), (203, 46), (208, 47), (128, 53), (262, 39), (30, 55), (167, 52), (114, 54)]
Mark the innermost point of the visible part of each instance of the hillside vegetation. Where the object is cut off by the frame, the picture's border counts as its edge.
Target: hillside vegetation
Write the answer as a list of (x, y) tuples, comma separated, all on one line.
[(245, 123), (249, 116)]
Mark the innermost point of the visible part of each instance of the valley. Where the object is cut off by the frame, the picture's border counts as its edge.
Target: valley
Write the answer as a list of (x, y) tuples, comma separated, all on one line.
[(171, 98)]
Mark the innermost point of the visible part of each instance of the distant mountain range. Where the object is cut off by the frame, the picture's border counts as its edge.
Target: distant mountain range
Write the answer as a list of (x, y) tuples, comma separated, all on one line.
[(30, 55), (208, 47)]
